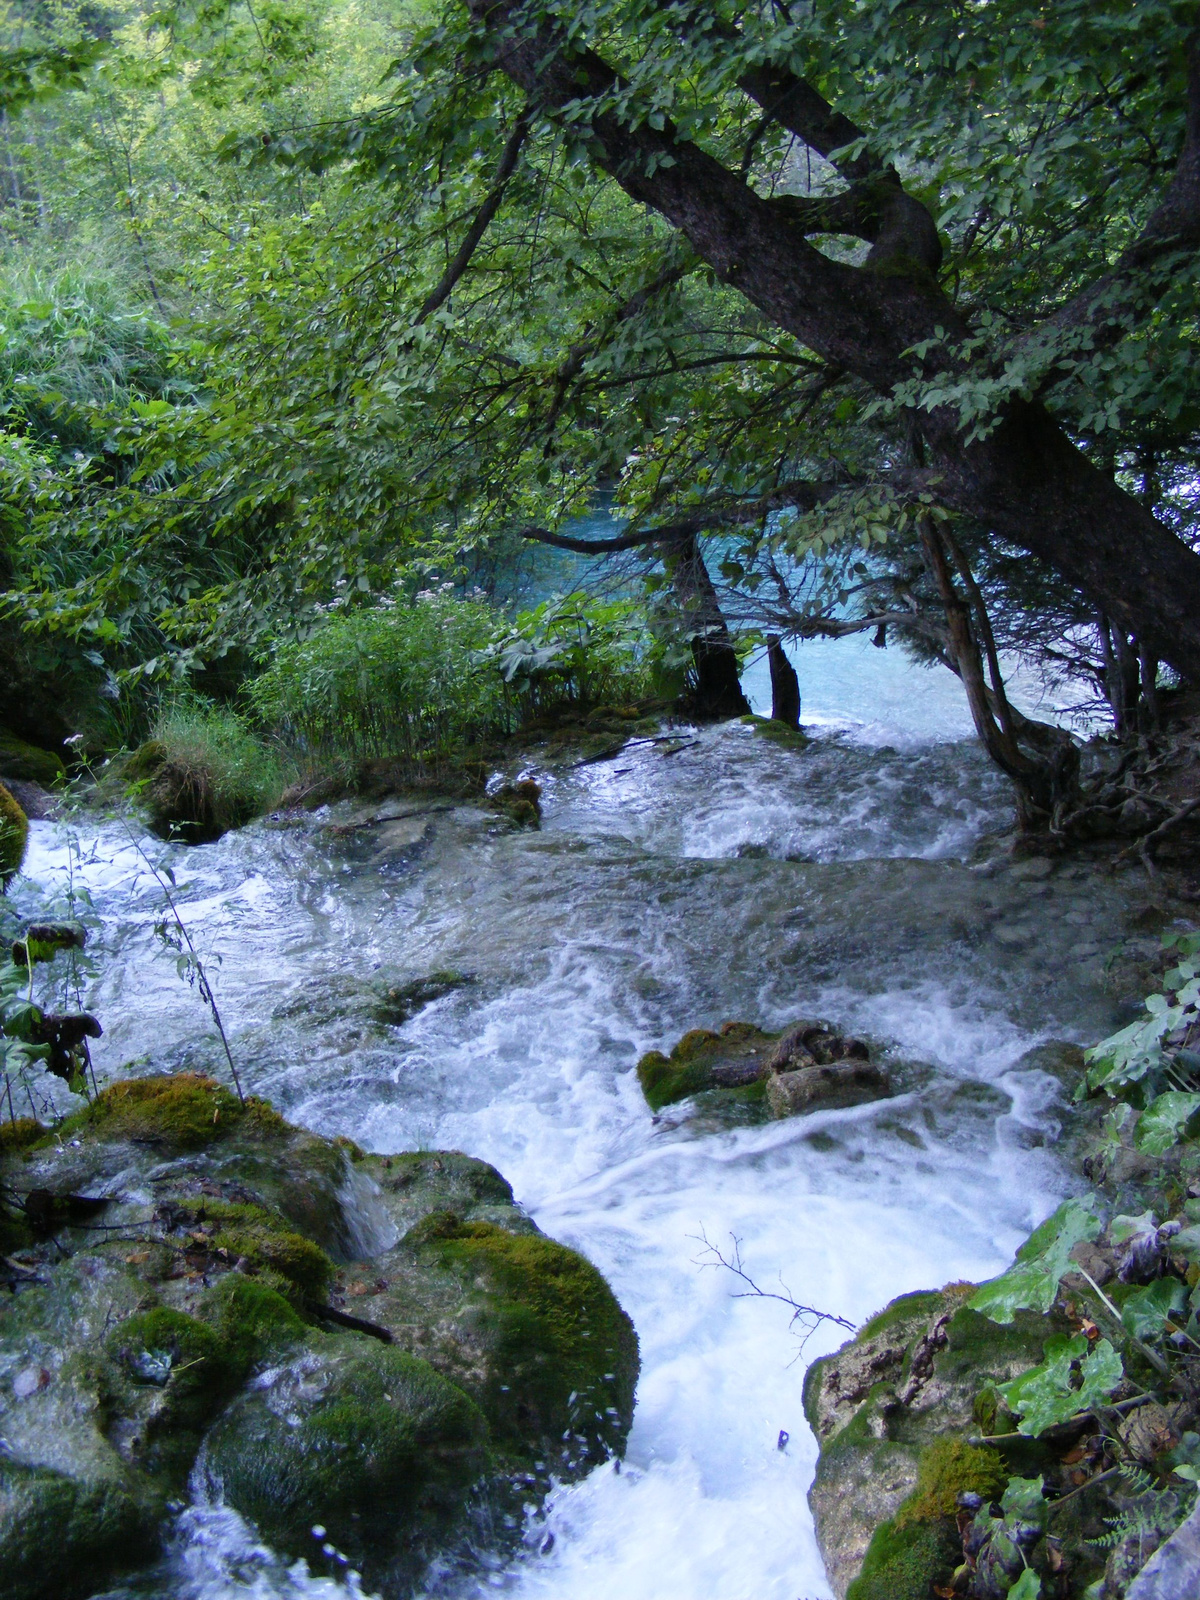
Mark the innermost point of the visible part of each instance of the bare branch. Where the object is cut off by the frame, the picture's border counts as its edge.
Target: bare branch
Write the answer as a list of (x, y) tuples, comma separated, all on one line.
[(809, 1318)]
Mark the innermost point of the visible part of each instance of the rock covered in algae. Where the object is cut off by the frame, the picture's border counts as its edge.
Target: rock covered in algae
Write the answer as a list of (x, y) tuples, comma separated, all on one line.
[(22, 760), (898, 1413), (808, 1067), (382, 1346), (14, 836)]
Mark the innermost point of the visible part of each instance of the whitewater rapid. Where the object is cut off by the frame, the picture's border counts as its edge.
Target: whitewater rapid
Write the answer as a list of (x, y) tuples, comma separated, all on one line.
[(732, 879)]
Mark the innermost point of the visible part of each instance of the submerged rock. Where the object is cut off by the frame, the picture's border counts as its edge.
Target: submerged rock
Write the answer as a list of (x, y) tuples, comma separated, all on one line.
[(381, 1346), (520, 802)]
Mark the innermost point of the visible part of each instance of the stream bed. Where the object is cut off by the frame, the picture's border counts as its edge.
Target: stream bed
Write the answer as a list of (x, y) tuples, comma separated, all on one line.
[(732, 878)]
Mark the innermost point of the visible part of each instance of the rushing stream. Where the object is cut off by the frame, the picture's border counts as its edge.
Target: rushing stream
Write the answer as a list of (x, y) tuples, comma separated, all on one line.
[(731, 878)]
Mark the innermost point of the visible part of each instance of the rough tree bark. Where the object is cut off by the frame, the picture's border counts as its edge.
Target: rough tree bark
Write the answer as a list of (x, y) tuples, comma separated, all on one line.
[(785, 685), (1026, 481), (718, 686)]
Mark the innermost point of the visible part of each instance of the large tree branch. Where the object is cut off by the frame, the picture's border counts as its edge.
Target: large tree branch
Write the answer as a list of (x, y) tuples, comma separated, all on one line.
[(483, 217), (803, 494), (877, 208), (1025, 481)]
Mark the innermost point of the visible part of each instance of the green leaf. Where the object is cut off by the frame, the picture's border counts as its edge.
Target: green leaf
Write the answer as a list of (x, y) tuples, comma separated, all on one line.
[(1044, 1397), (1031, 1283), (1145, 1313), (1027, 1587), (1125, 1227), (1165, 1120), (1024, 1501)]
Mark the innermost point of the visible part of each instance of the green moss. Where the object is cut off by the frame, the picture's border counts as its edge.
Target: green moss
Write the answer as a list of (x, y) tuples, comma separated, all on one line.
[(369, 1443), (902, 1563), (948, 1467), (14, 836), (145, 761), (60, 1538), (250, 1319), (690, 1067), (19, 759), (921, 1305), (778, 732), (195, 1371), (567, 1357), (185, 1111), (263, 1240), (19, 1135)]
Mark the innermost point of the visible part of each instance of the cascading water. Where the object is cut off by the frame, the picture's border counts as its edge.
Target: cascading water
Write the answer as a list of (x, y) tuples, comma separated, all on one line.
[(729, 878)]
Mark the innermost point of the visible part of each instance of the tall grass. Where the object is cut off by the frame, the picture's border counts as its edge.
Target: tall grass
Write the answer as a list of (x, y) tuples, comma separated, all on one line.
[(203, 772), (403, 682), (415, 681)]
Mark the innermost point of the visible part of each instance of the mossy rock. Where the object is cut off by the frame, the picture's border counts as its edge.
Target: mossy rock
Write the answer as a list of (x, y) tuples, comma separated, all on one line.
[(362, 1440), (563, 1355), (14, 836), (259, 1239), (903, 1562), (186, 1374), (778, 732), (61, 1537), (251, 1320), (209, 1300), (731, 1058), (185, 1111), (145, 761), (19, 759), (947, 1468), (20, 1134)]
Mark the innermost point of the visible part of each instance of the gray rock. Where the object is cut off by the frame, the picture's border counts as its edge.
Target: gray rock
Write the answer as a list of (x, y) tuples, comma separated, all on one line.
[(844, 1083), (1173, 1571), (1034, 868)]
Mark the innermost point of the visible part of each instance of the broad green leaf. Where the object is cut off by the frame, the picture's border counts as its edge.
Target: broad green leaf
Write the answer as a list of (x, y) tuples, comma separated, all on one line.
[(1145, 1313), (1124, 1227), (1027, 1587), (1044, 1397), (1164, 1121), (1031, 1283), (1023, 1500)]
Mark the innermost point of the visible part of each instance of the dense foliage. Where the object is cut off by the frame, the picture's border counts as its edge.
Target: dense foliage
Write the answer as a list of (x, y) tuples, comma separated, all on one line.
[(346, 318)]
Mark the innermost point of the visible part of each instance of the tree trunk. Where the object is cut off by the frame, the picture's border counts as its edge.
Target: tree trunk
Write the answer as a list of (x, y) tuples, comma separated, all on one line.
[(718, 686), (1042, 761), (785, 685)]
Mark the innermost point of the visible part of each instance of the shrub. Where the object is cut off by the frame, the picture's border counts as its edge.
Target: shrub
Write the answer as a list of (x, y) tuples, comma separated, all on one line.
[(573, 651), (402, 681), (203, 772)]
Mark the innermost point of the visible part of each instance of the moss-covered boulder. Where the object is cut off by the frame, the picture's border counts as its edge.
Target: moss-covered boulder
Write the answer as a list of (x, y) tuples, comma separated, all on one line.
[(810, 1066), (19, 759), (14, 836), (734, 1057), (362, 1440), (62, 1535), (376, 1345), (902, 1415)]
